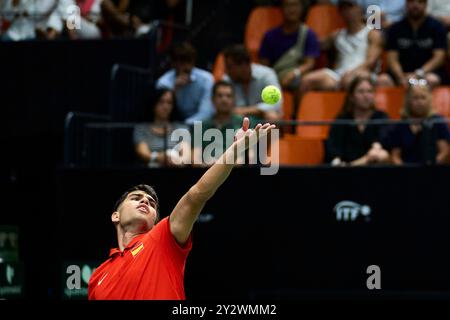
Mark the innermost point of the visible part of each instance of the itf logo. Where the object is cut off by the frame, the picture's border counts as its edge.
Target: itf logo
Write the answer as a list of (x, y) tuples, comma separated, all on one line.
[(349, 211)]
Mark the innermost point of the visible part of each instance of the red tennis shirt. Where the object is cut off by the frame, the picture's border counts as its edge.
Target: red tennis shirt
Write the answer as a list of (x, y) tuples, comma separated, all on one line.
[(150, 267)]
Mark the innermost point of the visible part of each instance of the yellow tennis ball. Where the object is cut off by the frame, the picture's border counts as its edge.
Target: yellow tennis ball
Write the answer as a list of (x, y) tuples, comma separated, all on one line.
[(271, 95)]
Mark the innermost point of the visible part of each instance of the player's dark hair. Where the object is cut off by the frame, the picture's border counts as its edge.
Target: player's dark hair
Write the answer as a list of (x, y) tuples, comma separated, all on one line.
[(140, 187)]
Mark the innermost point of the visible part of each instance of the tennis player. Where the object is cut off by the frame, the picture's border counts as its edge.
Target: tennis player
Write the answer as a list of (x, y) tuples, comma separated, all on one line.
[(150, 259)]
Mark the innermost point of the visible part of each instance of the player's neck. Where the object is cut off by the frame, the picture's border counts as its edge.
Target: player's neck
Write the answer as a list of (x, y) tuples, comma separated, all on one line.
[(125, 237)]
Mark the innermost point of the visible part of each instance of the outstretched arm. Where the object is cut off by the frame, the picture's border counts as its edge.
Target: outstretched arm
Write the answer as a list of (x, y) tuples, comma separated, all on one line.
[(190, 205)]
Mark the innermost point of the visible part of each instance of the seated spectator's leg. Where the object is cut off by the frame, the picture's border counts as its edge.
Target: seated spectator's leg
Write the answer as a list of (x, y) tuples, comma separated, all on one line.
[(384, 80), (346, 80), (433, 79), (88, 30), (117, 22), (271, 116), (348, 77), (323, 79)]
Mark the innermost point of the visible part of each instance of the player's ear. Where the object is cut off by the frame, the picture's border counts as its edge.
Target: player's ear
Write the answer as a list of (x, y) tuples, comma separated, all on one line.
[(115, 216)]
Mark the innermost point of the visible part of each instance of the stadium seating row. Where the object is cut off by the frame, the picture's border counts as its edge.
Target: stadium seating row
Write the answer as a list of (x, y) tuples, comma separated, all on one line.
[(305, 147)]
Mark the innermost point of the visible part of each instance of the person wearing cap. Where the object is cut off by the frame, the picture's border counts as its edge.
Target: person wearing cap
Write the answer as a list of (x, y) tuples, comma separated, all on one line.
[(358, 49)]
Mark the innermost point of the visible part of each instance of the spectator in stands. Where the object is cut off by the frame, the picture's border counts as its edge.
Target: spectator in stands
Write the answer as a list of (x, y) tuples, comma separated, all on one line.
[(224, 119), (416, 47), (90, 20), (118, 21), (27, 20), (248, 80), (440, 10), (358, 144), (168, 11), (391, 10), (192, 85), (292, 48), (153, 143), (423, 142), (358, 52)]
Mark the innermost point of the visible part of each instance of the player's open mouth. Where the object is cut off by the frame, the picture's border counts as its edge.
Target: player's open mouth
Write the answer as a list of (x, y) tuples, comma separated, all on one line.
[(143, 208)]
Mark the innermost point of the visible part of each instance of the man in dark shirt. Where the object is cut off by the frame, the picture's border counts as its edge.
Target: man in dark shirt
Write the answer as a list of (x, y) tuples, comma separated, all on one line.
[(416, 46)]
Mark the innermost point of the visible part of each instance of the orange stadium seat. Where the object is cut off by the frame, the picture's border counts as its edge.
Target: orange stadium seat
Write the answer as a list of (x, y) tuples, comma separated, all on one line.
[(390, 100), (324, 19), (441, 100), (219, 67), (294, 150), (384, 62), (317, 106), (260, 20), (288, 104)]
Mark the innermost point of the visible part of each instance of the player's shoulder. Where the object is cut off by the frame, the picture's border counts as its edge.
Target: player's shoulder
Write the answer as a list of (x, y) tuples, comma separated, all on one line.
[(160, 228), (100, 270)]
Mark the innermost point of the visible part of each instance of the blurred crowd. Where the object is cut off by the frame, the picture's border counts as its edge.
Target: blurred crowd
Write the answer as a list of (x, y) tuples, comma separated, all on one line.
[(409, 49), (84, 19), (412, 42)]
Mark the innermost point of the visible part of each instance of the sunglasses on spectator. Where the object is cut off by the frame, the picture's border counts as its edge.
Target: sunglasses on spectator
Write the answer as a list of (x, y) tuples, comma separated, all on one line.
[(418, 82)]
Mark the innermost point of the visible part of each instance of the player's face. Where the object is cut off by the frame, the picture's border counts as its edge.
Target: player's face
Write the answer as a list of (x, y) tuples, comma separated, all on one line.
[(223, 99), (420, 101), (137, 211), (416, 9), (364, 96)]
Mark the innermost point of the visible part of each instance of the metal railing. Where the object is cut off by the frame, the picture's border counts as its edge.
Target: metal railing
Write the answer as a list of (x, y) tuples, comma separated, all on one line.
[(107, 143)]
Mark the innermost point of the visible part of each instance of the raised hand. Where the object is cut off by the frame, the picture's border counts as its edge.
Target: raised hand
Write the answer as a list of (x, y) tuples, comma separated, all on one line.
[(251, 136)]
